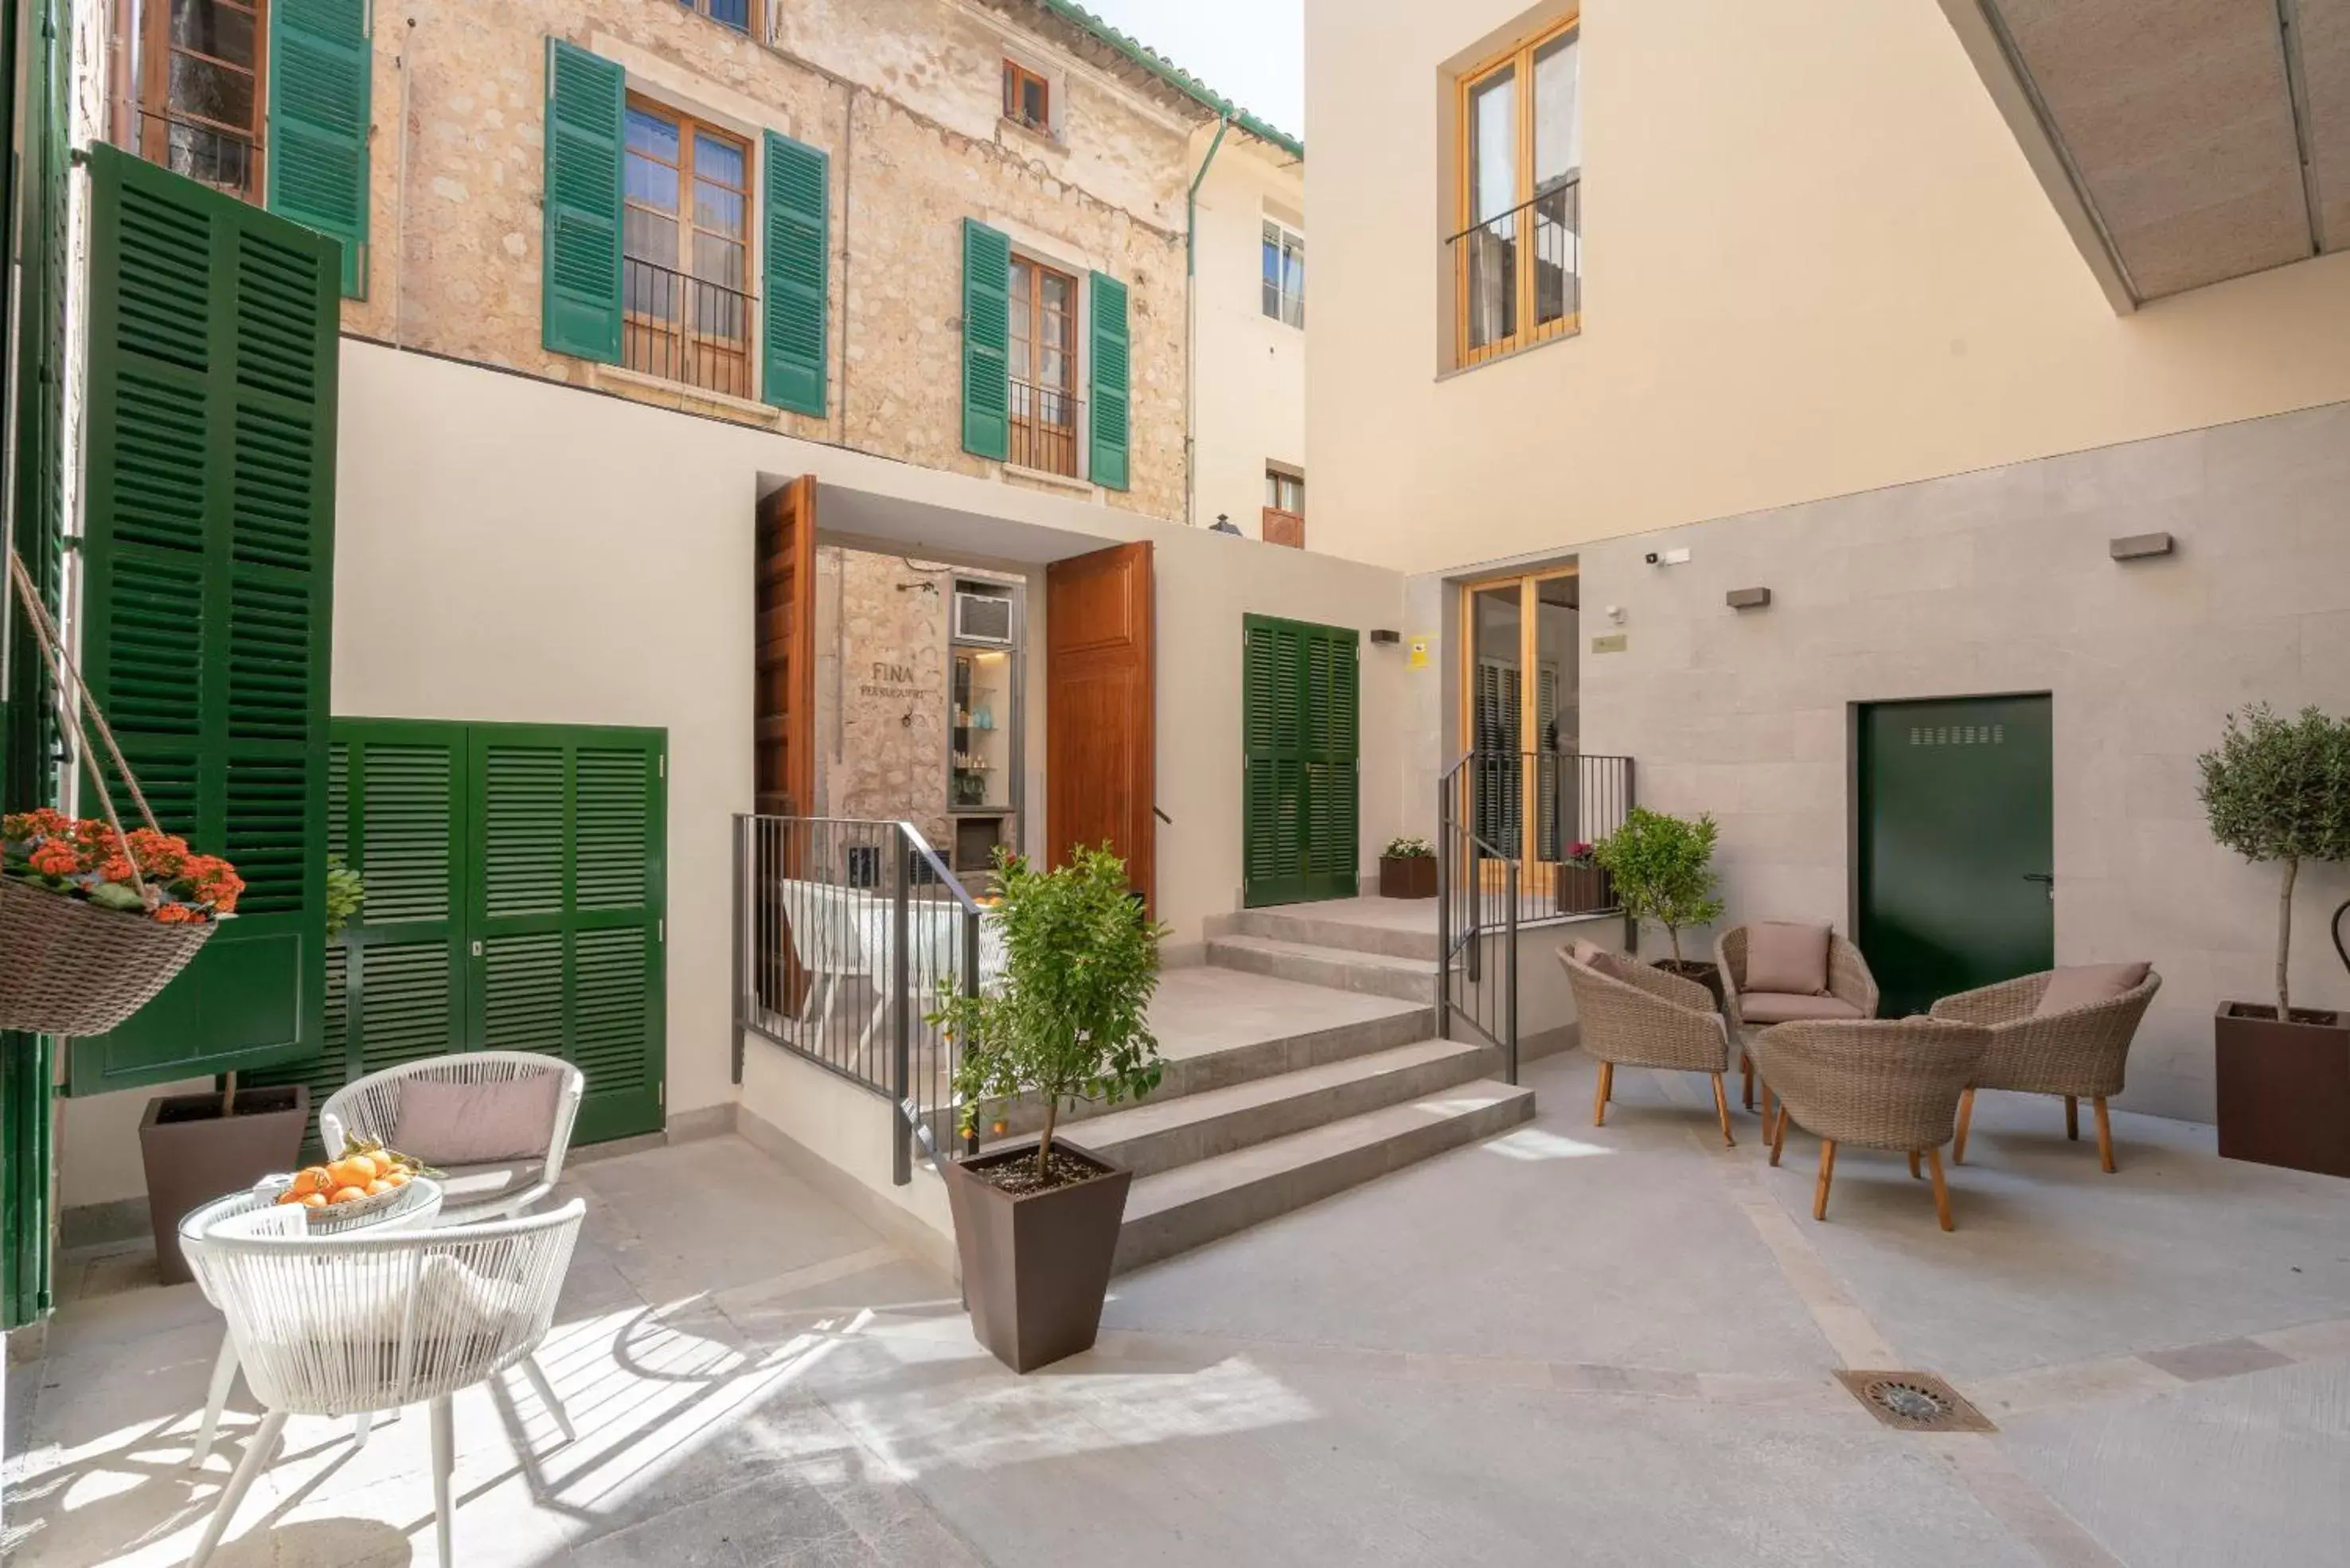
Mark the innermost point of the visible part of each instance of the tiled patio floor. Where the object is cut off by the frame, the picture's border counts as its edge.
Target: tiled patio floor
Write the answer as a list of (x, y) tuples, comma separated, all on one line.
[(1567, 1345)]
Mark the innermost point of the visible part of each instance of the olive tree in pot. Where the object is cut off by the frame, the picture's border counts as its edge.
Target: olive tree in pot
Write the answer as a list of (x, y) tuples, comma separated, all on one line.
[(1036, 1224), (1661, 867), (2278, 790)]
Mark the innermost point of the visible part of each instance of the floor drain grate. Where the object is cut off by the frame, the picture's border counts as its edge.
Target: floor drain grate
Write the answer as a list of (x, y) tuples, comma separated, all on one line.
[(1915, 1402)]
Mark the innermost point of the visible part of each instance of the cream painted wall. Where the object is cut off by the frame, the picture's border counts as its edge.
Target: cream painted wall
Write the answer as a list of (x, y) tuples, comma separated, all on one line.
[(1817, 263), (1251, 398)]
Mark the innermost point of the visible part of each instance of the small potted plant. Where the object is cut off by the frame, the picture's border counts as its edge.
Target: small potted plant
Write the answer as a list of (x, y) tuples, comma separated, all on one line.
[(1036, 1224), (1408, 870), (1662, 870), (2278, 790), (1582, 884)]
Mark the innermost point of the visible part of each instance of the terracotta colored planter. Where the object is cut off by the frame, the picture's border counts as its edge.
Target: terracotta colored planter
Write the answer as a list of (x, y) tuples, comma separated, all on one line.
[(1037, 1267), (2285, 1087), (193, 1155), (1407, 876)]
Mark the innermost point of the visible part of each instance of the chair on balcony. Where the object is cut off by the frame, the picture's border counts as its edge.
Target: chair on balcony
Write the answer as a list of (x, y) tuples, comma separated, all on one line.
[(2066, 1031), (1871, 1083), (1775, 971), (497, 1123), (1637, 1015), (342, 1324)]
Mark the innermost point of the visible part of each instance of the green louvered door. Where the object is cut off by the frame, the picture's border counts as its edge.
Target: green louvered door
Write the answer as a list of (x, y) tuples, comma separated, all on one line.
[(320, 60), (1107, 419), (206, 605), (791, 334), (1300, 819), (986, 340), (565, 904), (586, 101)]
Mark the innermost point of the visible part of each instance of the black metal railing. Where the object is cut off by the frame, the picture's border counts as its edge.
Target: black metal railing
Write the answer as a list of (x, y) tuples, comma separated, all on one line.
[(1518, 274), (687, 329), (204, 151), (847, 936), (1045, 428)]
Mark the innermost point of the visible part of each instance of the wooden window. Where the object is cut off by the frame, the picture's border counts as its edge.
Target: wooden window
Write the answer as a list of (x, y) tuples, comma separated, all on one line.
[(1517, 254), (1027, 97), (1043, 366), (685, 217), (740, 14), (1285, 509), (1284, 273), (202, 91)]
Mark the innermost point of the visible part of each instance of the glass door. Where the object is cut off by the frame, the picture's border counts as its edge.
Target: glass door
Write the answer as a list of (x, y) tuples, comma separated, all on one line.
[(1519, 714)]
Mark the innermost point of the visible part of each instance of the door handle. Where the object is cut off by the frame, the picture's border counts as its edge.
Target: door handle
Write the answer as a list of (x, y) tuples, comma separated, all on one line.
[(2047, 878)]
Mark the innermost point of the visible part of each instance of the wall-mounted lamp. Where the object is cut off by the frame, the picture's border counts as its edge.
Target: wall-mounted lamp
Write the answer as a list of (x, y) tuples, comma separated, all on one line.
[(2140, 546), (1747, 598)]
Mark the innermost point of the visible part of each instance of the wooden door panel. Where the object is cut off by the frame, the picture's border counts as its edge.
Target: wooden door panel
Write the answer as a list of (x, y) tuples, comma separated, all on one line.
[(1100, 748), (785, 636)]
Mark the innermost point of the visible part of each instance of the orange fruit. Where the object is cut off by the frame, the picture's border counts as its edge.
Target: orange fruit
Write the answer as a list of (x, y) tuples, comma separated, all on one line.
[(356, 1171), (310, 1179), (396, 1177), (289, 1195), (312, 1201), (347, 1194), (379, 1186)]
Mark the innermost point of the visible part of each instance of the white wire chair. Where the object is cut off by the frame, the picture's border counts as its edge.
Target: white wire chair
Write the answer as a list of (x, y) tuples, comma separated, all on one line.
[(347, 1324), (370, 1107)]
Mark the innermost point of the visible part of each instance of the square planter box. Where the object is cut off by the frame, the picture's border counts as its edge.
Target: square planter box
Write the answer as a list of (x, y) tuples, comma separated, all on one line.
[(2283, 1087), (1407, 876), (1583, 890), (193, 1155), (1036, 1266)]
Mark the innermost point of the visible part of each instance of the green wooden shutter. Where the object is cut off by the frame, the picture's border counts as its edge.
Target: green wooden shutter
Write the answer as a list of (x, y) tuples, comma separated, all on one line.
[(586, 101), (209, 594), (321, 64), (986, 340), (1300, 738), (796, 225), (1107, 422), (566, 883)]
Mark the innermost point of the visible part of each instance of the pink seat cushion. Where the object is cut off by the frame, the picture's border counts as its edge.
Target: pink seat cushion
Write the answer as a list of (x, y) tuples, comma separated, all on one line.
[(449, 1123), (1784, 1007), (2080, 984), (1591, 954), (1783, 956)]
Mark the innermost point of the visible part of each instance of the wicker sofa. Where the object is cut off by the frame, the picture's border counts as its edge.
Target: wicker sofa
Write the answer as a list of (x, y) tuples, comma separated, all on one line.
[(1637, 1015), (2078, 1052)]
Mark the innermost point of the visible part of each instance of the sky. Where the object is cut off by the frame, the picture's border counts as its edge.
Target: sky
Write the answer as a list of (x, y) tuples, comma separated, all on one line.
[(1250, 51)]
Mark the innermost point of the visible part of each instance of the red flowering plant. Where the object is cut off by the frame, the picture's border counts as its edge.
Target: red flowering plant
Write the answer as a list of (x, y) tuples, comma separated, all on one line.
[(1581, 854), (82, 859)]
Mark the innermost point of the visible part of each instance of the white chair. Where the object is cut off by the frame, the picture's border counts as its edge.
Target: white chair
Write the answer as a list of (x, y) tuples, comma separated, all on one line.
[(342, 1324), (370, 1107), (822, 921)]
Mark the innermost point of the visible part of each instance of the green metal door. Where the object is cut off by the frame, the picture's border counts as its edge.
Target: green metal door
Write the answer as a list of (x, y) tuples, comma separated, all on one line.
[(1955, 844), (1299, 818)]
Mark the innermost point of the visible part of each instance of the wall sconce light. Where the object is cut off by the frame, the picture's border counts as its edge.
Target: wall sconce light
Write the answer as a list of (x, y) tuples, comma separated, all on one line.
[(1747, 598), (2140, 546)]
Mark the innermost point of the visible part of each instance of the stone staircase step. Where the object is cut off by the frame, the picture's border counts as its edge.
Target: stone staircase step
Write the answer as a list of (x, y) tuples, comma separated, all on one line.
[(1175, 1211), (1312, 925), (1163, 1132), (1339, 968)]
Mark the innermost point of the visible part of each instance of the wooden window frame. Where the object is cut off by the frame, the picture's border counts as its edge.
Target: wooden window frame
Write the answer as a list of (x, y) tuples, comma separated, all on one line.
[(689, 128), (151, 106), (1529, 585), (1028, 369), (1519, 57), (755, 16), (1016, 77)]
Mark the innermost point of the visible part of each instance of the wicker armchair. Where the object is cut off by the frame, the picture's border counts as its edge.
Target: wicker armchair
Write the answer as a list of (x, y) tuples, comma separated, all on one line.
[(1631, 1013), (1852, 994), (2079, 1051), (370, 1107), (1874, 1083)]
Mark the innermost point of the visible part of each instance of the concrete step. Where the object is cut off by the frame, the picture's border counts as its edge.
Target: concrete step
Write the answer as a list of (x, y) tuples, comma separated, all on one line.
[(1339, 968), (1314, 925), (1164, 1132), (1175, 1211)]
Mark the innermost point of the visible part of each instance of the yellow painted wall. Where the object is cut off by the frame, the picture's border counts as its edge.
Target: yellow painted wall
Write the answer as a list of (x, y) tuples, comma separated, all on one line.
[(1815, 263)]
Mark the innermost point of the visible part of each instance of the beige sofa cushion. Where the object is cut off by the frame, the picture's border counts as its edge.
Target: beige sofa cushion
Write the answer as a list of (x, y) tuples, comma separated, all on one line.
[(1787, 957), (447, 1123), (2077, 985), (1592, 955), (1784, 1007)]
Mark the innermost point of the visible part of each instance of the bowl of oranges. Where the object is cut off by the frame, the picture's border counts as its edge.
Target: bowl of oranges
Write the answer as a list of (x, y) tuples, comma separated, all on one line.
[(367, 1180)]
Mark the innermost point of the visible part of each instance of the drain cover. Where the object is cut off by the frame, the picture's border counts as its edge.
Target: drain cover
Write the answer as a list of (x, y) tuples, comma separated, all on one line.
[(1914, 1402)]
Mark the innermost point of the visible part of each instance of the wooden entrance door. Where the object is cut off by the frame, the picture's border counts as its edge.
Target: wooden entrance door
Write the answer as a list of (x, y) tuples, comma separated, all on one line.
[(1955, 844), (786, 640), (1100, 752)]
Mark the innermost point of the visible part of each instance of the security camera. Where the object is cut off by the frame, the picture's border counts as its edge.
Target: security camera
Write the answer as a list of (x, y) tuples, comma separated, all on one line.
[(1650, 557)]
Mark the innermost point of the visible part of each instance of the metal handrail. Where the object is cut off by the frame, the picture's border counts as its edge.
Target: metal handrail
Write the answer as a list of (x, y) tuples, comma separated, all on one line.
[(1556, 188), (664, 312)]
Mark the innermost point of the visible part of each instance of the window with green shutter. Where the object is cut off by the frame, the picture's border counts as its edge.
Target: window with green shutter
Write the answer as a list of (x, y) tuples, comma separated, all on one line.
[(1106, 417), (320, 62), (792, 335), (586, 101), (208, 598), (1300, 827), (986, 340)]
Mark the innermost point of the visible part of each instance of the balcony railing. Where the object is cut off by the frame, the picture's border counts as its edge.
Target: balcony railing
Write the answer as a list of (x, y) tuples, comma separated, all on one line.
[(687, 329), (1045, 428), (205, 151), (1518, 277), (1282, 527)]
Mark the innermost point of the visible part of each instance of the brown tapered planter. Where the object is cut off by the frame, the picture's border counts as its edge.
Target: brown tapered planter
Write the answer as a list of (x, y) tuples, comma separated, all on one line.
[(1707, 975), (1036, 1267), (2285, 1087), (1407, 876), (194, 1153)]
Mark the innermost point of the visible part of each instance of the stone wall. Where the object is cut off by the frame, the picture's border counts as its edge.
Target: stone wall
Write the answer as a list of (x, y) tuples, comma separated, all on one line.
[(901, 94), (882, 688)]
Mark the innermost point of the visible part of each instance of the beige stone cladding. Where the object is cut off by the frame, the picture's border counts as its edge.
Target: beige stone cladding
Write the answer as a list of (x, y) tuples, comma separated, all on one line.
[(902, 94), (882, 688)]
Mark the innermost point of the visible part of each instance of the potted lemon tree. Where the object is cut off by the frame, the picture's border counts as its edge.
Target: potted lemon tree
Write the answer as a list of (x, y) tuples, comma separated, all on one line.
[(1661, 868), (1036, 1221)]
